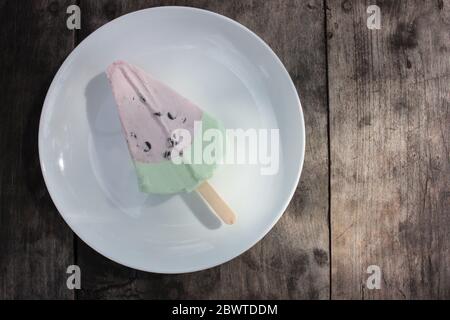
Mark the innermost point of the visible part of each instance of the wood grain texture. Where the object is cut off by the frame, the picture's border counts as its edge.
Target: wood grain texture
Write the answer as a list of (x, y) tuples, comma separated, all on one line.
[(36, 245), (292, 261), (389, 109)]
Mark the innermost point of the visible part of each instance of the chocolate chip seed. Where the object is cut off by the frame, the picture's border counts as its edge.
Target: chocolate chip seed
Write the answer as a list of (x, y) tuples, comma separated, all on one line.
[(149, 146), (158, 114), (171, 142), (171, 116)]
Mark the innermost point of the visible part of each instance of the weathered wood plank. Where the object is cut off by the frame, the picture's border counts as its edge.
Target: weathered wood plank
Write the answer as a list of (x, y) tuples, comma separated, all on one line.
[(390, 171), (292, 261), (36, 245)]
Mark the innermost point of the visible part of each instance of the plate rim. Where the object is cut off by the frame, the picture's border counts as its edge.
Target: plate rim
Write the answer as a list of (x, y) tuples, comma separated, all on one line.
[(57, 79)]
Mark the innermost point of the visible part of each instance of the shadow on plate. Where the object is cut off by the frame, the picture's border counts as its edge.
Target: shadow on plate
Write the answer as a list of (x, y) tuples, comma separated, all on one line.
[(201, 210)]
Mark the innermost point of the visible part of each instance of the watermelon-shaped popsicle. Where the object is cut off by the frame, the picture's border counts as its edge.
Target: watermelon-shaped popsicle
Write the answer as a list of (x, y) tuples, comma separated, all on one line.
[(151, 113)]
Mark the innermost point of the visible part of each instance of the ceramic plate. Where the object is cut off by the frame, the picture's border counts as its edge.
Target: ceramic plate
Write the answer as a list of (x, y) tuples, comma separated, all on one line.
[(219, 65)]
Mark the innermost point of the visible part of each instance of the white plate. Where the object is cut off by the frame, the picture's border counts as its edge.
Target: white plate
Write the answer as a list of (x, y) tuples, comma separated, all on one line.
[(218, 64)]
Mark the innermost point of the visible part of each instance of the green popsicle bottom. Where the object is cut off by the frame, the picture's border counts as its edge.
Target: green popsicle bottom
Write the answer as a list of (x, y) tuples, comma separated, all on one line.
[(167, 177)]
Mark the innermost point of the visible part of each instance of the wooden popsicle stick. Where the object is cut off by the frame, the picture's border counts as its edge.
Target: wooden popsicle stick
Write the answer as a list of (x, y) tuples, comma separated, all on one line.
[(220, 207)]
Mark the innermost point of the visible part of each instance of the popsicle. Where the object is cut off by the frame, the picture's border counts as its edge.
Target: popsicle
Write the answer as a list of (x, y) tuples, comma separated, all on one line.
[(151, 113)]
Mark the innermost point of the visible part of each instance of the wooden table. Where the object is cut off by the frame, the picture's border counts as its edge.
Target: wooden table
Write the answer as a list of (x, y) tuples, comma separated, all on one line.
[(375, 185)]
